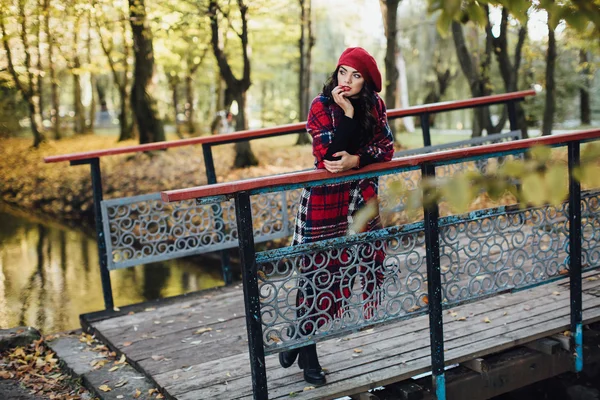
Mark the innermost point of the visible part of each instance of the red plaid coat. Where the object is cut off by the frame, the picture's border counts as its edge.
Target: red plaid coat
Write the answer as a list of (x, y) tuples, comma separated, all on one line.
[(326, 212)]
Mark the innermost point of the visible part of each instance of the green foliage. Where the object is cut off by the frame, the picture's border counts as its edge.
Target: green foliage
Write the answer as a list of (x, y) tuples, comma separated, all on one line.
[(542, 177), (578, 14)]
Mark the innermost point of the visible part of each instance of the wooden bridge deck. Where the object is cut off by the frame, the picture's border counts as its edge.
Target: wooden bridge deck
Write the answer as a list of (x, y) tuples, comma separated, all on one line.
[(195, 347)]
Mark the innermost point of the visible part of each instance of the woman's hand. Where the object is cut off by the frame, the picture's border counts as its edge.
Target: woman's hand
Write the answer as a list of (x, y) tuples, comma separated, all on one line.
[(348, 161), (341, 100)]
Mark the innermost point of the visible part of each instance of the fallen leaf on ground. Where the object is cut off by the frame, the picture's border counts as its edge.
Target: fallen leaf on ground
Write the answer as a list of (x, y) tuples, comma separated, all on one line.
[(486, 320), (126, 344), (122, 382), (137, 394), (307, 388), (358, 350), (203, 330), (104, 388)]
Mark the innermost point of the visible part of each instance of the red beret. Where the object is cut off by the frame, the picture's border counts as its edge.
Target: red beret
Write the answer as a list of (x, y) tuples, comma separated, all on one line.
[(359, 59)]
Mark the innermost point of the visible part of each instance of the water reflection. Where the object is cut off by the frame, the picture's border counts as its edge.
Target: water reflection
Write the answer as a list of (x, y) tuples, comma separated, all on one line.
[(49, 276)]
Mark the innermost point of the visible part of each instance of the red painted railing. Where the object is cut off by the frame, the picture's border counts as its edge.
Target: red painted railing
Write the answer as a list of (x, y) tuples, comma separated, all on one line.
[(314, 175), (290, 128)]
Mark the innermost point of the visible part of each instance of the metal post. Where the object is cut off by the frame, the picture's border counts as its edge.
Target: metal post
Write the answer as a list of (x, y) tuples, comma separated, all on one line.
[(434, 286), (425, 129), (512, 115), (243, 214), (575, 256), (102, 256), (211, 178)]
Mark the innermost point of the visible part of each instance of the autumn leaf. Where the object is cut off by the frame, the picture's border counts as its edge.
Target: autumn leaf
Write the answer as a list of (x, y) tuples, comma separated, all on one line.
[(487, 320), (556, 293), (137, 394), (307, 388), (127, 344), (358, 350), (461, 319), (122, 382), (104, 388), (113, 369), (203, 330), (425, 299)]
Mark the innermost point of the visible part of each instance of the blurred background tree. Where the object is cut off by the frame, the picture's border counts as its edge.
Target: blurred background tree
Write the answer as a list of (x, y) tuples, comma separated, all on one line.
[(126, 70)]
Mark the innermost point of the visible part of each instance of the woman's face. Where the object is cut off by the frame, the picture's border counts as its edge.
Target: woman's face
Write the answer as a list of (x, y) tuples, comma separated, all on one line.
[(348, 76)]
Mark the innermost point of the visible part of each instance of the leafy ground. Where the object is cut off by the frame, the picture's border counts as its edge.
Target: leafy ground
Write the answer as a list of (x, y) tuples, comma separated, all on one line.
[(33, 372), (63, 192)]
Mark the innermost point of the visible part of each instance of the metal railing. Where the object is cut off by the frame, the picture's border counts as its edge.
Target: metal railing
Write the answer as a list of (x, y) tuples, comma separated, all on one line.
[(140, 229), (301, 294)]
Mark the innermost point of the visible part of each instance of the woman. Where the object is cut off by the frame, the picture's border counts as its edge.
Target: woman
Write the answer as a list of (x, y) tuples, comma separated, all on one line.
[(349, 128)]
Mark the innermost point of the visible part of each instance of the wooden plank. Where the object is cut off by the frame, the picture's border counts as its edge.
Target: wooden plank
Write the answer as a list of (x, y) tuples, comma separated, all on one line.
[(496, 314), (478, 365), (458, 350), (424, 352), (407, 328), (461, 326), (545, 345)]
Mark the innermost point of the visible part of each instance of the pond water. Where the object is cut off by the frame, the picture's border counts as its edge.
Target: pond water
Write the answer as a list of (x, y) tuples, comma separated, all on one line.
[(49, 275)]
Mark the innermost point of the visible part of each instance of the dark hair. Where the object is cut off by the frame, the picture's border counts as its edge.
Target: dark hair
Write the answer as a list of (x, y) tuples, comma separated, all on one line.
[(367, 101)]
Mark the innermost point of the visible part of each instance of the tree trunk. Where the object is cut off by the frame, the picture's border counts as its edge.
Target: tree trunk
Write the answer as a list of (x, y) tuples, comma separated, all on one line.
[(174, 85), (54, 94), (150, 127), (389, 12), (125, 129), (92, 115), (79, 118), (236, 88), (40, 65), (402, 89), (584, 92), (550, 105), (303, 85), (189, 104), (244, 157), (508, 70), (27, 91)]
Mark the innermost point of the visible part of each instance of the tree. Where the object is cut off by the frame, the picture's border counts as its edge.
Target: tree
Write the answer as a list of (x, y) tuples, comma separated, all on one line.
[(236, 88), (510, 70), (585, 110), (389, 12), (305, 46), (477, 75), (54, 93), (117, 60), (550, 83), (27, 89), (149, 125)]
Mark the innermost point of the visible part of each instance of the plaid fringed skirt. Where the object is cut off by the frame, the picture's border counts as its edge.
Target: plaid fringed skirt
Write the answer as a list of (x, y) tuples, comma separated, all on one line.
[(326, 288)]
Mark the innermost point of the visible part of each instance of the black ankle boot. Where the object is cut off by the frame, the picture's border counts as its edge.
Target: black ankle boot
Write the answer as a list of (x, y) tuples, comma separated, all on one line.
[(288, 358), (309, 362)]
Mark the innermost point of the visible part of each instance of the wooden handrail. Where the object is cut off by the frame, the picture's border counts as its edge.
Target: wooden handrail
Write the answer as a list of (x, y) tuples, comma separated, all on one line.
[(287, 129), (411, 161)]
